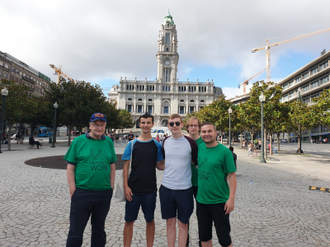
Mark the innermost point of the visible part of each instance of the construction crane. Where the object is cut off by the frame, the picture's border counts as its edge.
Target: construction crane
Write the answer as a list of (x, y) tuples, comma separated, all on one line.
[(59, 73), (267, 48), (245, 83)]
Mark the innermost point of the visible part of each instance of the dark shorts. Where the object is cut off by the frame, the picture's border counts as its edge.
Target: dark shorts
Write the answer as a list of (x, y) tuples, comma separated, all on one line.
[(147, 203), (173, 201), (208, 213)]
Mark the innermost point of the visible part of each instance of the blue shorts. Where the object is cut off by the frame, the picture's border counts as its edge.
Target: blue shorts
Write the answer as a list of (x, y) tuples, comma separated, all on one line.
[(173, 201), (147, 203)]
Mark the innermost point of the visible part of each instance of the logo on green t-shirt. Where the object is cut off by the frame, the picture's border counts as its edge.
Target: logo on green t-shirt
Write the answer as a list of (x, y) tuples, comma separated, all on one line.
[(97, 161)]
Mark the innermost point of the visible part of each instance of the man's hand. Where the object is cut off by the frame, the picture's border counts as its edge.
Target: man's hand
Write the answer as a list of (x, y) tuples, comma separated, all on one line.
[(72, 190), (128, 193), (229, 206)]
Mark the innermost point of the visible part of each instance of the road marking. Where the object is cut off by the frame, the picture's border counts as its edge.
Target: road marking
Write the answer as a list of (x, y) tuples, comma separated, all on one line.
[(319, 188)]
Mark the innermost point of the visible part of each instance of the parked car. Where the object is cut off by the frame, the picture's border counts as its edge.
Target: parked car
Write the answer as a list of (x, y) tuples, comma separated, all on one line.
[(13, 137), (284, 140)]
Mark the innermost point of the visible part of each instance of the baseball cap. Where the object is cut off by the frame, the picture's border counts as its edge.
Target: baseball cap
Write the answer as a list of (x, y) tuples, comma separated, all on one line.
[(98, 116)]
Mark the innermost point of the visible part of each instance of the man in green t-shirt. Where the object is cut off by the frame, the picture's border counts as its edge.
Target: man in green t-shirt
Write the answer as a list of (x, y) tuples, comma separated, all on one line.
[(91, 175), (193, 127), (216, 196)]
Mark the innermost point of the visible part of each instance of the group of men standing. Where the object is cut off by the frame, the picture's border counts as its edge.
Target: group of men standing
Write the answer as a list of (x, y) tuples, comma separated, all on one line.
[(195, 166)]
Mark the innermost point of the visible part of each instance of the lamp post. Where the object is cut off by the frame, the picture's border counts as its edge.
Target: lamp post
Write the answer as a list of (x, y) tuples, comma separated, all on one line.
[(230, 111), (262, 99), (299, 151), (54, 130), (4, 93)]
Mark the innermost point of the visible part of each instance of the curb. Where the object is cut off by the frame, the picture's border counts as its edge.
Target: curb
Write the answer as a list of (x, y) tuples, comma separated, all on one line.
[(319, 188)]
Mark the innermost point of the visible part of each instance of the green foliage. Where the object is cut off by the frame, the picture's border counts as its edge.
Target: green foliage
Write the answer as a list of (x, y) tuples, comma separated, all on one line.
[(125, 120), (322, 107)]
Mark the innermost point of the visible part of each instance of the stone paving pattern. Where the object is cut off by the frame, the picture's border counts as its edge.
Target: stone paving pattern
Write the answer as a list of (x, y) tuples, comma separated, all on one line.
[(278, 209)]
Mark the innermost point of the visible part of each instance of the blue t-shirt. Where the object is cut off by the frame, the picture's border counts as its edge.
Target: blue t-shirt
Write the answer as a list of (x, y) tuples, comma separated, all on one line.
[(142, 179)]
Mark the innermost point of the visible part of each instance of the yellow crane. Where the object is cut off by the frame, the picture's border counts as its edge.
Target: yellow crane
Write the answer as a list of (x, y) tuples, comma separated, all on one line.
[(267, 47), (244, 83), (59, 73)]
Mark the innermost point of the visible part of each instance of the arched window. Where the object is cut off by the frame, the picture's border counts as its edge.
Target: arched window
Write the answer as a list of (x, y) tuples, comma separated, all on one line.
[(181, 100), (149, 99), (129, 99), (202, 101), (192, 100), (139, 99)]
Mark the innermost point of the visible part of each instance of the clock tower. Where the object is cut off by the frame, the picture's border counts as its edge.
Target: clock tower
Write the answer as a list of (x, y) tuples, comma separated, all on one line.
[(167, 56)]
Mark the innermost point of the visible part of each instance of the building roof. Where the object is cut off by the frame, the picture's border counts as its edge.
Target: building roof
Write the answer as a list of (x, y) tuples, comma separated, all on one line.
[(168, 18)]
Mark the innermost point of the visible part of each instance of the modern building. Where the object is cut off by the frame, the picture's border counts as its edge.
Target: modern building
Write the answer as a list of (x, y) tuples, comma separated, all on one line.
[(13, 69), (166, 94), (310, 81)]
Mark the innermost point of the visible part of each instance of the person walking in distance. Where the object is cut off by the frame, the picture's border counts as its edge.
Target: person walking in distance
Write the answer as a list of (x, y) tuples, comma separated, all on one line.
[(193, 126), (141, 187), (91, 174), (215, 197), (175, 192)]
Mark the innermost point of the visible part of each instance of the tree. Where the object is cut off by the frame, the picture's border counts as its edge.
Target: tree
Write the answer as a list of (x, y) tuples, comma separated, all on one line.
[(322, 107), (125, 120), (77, 102), (18, 104)]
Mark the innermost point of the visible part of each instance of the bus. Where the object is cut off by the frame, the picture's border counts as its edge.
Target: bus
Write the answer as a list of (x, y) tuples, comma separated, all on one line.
[(160, 131), (45, 132)]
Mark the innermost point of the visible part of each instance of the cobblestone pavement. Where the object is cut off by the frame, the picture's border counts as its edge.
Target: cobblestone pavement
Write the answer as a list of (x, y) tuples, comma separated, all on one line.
[(276, 210)]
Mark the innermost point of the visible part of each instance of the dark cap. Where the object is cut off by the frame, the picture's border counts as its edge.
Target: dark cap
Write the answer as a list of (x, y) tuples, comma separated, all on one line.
[(98, 116)]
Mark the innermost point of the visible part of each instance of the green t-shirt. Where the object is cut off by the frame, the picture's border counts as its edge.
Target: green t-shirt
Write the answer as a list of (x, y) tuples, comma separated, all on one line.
[(194, 170), (214, 164), (92, 158)]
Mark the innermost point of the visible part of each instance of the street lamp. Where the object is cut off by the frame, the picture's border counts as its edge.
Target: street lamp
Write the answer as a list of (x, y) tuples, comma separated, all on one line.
[(54, 130), (4, 93), (262, 99), (299, 151), (230, 111)]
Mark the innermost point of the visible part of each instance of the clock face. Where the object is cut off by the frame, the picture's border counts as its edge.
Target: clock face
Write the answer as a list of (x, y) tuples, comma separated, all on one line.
[(167, 62)]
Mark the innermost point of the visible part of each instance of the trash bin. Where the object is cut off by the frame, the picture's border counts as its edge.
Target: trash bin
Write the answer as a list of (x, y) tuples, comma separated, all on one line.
[(50, 139)]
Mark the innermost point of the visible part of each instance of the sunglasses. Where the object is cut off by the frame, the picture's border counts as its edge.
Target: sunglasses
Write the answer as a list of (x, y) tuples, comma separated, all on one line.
[(176, 123)]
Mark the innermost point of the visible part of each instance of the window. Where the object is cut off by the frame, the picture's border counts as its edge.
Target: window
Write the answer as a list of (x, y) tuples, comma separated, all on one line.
[(6, 66), (290, 83), (324, 65), (285, 86), (285, 97), (306, 100), (149, 99), (181, 110), (166, 109), (192, 100), (1, 63), (298, 79), (315, 84), (149, 109), (314, 71), (129, 99), (191, 109), (291, 95), (306, 75), (202, 101), (324, 80), (168, 39), (129, 108), (181, 100), (139, 108), (139, 99), (305, 88)]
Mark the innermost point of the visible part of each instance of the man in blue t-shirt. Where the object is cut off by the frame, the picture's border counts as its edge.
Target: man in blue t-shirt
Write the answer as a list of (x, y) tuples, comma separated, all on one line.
[(140, 186)]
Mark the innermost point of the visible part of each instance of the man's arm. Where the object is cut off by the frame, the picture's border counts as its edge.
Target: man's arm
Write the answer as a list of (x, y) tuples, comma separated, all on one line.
[(113, 175), (127, 190), (71, 179), (229, 206), (160, 165)]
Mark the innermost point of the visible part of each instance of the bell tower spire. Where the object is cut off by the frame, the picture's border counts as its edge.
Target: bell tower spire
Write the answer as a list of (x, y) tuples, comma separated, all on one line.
[(167, 56)]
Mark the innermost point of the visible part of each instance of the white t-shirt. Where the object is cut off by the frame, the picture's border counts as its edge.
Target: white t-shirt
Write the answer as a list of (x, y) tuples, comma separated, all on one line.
[(179, 152)]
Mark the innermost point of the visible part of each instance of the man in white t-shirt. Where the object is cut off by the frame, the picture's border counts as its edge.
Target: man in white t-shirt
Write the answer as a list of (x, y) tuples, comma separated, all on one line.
[(176, 193)]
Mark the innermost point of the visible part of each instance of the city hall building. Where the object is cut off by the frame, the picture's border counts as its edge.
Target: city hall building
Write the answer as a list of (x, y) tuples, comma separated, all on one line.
[(165, 95)]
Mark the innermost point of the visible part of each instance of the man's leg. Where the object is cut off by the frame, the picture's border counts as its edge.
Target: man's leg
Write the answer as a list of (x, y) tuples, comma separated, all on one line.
[(150, 233), (171, 231), (81, 207), (100, 211), (183, 232), (221, 223), (128, 233)]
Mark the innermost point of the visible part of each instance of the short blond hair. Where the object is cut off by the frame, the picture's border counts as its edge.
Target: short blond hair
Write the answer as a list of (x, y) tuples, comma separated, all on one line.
[(190, 120), (175, 116)]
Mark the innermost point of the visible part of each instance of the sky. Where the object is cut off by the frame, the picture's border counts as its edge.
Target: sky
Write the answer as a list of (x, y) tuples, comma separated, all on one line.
[(100, 41)]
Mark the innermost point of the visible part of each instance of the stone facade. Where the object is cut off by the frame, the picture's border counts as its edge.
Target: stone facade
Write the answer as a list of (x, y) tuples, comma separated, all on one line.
[(13, 69), (165, 95)]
